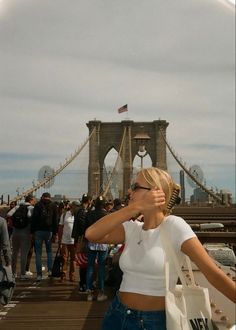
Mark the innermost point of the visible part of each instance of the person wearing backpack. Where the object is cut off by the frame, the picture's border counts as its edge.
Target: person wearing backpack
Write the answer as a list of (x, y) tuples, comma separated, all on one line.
[(21, 240), (44, 229)]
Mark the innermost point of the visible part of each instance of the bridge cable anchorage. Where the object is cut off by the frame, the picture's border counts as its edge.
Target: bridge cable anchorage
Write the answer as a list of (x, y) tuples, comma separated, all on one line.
[(209, 192), (55, 173), (116, 164)]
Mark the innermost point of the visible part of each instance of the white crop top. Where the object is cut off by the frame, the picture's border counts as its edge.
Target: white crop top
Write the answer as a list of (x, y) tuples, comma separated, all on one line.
[(143, 264)]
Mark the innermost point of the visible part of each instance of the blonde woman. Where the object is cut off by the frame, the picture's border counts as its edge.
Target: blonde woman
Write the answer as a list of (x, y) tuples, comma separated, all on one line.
[(140, 302)]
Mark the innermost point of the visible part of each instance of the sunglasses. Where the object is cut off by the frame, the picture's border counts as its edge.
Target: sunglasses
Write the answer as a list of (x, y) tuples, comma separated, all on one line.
[(135, 186)]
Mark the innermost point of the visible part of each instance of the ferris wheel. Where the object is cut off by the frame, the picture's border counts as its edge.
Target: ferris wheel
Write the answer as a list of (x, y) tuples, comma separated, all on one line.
[(198, 175)]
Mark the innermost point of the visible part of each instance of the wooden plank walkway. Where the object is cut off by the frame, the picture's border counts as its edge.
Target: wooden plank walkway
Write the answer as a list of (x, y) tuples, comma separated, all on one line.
[(54, 305), (51, 305)]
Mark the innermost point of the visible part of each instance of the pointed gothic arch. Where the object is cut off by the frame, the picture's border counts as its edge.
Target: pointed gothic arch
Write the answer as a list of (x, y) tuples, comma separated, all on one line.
[(108, 135), (116, 187)]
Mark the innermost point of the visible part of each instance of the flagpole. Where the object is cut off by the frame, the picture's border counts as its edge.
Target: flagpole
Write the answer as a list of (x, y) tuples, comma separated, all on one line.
[(127, 114)]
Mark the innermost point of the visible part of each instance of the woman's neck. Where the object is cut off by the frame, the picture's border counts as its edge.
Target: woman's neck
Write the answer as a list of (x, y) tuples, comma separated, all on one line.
[(153, 220)]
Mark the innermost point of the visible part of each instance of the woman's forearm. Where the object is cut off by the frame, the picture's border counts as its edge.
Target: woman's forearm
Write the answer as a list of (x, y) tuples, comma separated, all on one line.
[(223, 284), (109, 222)]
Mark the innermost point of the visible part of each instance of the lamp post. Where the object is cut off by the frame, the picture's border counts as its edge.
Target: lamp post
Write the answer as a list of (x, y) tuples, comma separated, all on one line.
[(141, 140)]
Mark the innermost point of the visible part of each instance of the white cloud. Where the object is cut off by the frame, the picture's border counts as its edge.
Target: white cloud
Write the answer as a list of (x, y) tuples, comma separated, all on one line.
[(63, 65)]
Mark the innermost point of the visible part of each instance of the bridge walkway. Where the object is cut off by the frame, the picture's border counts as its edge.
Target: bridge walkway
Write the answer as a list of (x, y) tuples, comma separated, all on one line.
[(51, 305)]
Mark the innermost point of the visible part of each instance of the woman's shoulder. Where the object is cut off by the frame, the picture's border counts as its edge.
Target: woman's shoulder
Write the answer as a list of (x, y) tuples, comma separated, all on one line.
[(170, 219), (177, 225), (178, 229), (174, 221)]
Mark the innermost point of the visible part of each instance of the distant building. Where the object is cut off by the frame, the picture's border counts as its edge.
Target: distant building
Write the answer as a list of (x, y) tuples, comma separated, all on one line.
[(226, 197), (201, 197)]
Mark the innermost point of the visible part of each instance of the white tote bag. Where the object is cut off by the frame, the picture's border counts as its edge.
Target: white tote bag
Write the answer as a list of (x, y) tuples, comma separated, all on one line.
[(187, 305)]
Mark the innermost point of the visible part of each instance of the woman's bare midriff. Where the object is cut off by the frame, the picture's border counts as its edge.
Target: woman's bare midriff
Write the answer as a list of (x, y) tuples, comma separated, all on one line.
[(142, 302)]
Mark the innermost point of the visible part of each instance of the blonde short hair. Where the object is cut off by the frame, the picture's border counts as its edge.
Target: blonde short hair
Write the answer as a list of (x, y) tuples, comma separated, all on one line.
[(160, 179)]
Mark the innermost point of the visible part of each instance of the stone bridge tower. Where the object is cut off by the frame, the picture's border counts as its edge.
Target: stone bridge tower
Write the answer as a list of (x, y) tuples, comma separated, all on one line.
[(108, 135)]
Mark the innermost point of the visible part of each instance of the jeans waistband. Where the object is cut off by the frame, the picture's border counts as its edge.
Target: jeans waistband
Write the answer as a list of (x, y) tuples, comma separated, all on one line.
[(118, 305)]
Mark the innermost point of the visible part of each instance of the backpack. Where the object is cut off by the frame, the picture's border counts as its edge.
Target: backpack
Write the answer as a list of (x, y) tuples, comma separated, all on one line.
[(19, 218), (46, 215)]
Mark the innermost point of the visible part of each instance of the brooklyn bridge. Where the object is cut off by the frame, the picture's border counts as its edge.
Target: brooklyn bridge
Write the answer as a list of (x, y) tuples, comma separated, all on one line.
[(211, 215), (139, 140), (129, 140)]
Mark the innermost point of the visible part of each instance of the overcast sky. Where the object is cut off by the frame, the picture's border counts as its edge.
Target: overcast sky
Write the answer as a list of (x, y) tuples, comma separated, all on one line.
[(64, 63)]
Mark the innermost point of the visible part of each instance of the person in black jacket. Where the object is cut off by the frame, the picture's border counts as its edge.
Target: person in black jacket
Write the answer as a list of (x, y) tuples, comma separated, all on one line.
[(44, 229), (96, 251), (78, 235), (79, 223)]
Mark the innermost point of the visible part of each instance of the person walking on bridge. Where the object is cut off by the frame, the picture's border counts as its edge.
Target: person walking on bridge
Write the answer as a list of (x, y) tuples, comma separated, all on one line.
[(140, 302), (44, 229), (96, 251), (66, 242), (21, 216)]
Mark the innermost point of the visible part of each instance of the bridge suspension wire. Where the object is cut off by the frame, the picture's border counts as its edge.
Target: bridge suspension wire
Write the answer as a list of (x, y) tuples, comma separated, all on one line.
[(55, 173), (106, 179), (209, 192), (116, 164)]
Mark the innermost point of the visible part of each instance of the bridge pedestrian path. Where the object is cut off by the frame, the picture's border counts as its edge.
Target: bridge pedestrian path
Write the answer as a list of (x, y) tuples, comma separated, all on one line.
[(51, 305)]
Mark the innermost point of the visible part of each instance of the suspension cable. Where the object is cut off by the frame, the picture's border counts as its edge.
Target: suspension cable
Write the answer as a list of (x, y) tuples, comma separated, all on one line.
[(105, 179), (209, 192), (55, 173)]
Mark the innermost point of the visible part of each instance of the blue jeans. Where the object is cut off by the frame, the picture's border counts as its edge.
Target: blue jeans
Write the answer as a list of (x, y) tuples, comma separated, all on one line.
[(40, 237), (101, 259), (121, 317)]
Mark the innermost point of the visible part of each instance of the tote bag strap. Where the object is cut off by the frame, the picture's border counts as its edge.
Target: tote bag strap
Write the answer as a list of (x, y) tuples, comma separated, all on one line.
[(190, 270), (169, 251), (167, 275)]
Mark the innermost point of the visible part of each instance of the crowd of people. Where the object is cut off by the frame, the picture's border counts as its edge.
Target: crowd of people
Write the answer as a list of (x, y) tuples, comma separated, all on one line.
[(32, 224)]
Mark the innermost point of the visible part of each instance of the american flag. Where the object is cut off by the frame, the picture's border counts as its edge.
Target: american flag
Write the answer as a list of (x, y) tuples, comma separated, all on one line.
[(123, 109)]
